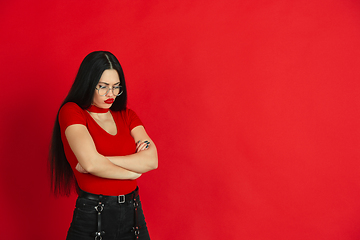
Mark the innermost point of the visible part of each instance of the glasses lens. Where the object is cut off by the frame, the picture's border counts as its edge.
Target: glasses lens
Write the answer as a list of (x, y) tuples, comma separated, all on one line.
[(103, 91), (117, 90)]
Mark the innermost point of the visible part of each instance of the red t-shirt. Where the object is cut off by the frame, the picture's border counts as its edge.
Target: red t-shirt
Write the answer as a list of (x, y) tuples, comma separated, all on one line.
[(106, 144)]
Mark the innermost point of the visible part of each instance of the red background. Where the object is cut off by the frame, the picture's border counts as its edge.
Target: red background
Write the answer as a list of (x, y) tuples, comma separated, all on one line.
[(254, 107)]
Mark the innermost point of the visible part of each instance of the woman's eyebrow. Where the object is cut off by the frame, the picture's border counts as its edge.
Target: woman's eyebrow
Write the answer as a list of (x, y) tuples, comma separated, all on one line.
[(109, 84)]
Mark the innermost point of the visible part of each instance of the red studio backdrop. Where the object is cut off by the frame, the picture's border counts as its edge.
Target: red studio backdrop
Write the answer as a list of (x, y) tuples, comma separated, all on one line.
[(254, 107)]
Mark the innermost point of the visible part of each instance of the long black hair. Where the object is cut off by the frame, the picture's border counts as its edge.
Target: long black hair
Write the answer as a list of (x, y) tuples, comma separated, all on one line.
[(81, 93)]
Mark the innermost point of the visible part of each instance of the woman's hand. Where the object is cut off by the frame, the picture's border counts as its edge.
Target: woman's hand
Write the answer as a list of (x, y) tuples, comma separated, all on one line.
[(142, 145), (79, 168)]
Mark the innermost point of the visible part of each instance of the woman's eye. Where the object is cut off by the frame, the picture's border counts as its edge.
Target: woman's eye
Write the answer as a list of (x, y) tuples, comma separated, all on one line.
[(117, 87), (102, 87)]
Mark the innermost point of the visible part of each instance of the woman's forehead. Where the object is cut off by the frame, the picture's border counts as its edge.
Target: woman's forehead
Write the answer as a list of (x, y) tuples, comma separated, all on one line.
[(110, 76)]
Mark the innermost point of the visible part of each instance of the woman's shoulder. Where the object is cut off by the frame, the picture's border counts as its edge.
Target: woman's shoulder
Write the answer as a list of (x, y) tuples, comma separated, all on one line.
[(71, 105), (70, 111), (129, 117)]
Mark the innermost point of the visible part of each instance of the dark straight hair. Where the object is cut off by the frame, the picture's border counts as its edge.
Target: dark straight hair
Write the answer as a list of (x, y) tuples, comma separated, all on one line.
[(82, 93)]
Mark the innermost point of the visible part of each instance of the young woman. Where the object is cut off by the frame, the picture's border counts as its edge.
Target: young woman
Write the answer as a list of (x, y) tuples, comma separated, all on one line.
[(101, 147)]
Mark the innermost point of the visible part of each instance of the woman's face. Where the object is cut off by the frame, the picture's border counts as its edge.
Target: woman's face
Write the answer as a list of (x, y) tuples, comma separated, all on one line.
[(109, 80)]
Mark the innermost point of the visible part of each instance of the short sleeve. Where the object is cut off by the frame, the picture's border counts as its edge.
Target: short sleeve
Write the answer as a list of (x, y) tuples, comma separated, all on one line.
[(70, 114), (132, 119)]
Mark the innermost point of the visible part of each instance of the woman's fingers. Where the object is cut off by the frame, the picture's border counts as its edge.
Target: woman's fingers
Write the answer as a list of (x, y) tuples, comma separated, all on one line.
[(141, 146), (137, 144)]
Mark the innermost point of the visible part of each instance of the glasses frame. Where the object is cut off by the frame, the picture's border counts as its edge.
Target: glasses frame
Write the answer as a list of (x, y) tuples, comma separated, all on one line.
[(112, 89)]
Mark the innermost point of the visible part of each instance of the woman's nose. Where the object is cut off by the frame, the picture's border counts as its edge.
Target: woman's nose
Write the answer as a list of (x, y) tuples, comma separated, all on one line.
[(110, 93)]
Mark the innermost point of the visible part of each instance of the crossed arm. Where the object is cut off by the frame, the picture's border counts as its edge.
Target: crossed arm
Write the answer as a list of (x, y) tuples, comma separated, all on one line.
[(145, 159), (115, 167)]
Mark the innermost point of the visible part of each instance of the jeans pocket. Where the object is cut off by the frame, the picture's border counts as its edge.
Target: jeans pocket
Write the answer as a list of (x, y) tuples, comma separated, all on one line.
[(85, 216), (86, 205)]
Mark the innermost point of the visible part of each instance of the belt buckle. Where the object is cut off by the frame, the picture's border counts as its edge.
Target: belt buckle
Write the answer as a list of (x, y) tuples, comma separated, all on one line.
[(121, 198)]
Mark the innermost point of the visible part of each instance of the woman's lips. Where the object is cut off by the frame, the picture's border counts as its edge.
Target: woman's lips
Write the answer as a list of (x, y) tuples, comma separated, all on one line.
[(109, 101)]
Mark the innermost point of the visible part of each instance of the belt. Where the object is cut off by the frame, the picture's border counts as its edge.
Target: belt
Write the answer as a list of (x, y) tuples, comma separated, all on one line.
[(119, 199)]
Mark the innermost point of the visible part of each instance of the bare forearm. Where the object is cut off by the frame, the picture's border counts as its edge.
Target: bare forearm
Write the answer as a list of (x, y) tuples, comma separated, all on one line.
[(102, 167), (140, 162)]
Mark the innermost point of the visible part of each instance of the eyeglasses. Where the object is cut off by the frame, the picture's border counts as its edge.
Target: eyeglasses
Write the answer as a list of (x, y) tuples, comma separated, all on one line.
[(104, 90)]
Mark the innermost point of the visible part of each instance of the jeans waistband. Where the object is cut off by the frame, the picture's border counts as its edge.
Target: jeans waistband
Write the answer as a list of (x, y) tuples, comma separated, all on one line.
[(118, 199)]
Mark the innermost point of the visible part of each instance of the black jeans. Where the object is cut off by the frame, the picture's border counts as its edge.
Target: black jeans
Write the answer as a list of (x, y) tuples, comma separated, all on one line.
[(117, 220)]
